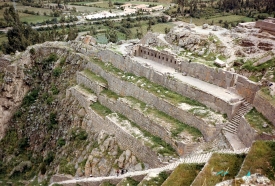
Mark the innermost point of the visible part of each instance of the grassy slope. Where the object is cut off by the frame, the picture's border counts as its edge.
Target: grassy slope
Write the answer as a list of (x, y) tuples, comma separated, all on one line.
[(261, 159), (219, 162), (183, 175)]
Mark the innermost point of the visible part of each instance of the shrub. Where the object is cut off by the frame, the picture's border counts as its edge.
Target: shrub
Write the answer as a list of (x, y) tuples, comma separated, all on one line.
[(30, 97), (61, 142), (50, 157), (57, 71)]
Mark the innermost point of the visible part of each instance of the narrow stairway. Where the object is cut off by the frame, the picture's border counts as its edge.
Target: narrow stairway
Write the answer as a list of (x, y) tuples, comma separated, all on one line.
[(232, 126), (231, 129)]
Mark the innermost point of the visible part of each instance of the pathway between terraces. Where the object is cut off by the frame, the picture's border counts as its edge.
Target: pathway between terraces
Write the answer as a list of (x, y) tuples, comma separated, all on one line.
[(195, 158), (214, 90)]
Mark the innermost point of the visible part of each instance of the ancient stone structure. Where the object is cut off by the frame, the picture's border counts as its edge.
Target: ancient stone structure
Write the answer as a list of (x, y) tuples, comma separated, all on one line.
[(267, 25)]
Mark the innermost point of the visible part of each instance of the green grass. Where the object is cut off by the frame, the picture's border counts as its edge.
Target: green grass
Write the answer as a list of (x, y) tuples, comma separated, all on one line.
[(106, 184), (263, 67), (228, 18), (85, 89), (256, 120), (183, 175), (110, 94), (260, 159), (156, 181), (100, 109), (33, 18), (95, 77), (219, 162), (265, 93), (128, 182)]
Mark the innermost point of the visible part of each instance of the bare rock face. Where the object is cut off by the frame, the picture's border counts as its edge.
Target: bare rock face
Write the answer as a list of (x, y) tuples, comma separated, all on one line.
[(106, 156), (14, 88)]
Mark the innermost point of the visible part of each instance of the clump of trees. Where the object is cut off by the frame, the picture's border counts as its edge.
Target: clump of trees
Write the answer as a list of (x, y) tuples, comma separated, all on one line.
[(22, 35), (194, 6)]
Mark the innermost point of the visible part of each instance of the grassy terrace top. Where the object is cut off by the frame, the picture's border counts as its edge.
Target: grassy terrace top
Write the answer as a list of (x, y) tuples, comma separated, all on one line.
[(95, 77), (177, 126), (260, 159), (183, 175), (145, 84), (217, 163), (257, 120)]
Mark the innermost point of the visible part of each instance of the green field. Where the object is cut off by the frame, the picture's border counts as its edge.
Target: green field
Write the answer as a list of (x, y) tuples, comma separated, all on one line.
[(229, 18)]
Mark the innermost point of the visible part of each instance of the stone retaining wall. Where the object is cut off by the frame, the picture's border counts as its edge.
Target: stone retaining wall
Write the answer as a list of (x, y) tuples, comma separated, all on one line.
[(93, 85), (129, 65), (142, 120), (264, 106), (246, 88), (125, 88), (212, 75), (126, 141), (81, 98), (246, 133)]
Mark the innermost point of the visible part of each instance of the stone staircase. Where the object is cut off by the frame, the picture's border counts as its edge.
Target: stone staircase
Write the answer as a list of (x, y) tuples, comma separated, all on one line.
[(231, 129), (232, 126)]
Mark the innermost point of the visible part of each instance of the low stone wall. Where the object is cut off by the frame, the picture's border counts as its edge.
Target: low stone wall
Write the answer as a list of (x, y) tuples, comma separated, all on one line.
[(263, 105), (126, 141), (165, 80), (93, 85), (246, 88), (246, 133), (125, 88)]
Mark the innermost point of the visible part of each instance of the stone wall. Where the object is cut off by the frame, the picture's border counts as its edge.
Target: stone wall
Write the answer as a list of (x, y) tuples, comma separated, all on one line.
[(158, 56), (81, 98), (125, 88), (122, 107), (130, 65), (266, 25), (265, 106), (215, 76), (93, 85), (246, 88), (126, 141), (246, 133)]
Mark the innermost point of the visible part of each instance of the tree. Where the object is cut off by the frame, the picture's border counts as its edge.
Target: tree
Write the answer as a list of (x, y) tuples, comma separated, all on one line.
[(111, 35), (181, 4)]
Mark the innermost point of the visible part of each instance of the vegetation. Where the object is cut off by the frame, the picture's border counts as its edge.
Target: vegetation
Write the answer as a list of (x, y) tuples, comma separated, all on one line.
[(257, 121), (183, 175), (260, 159), (230, 163), (95, 77), (156, 181), (100, 109), (128, 182)]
